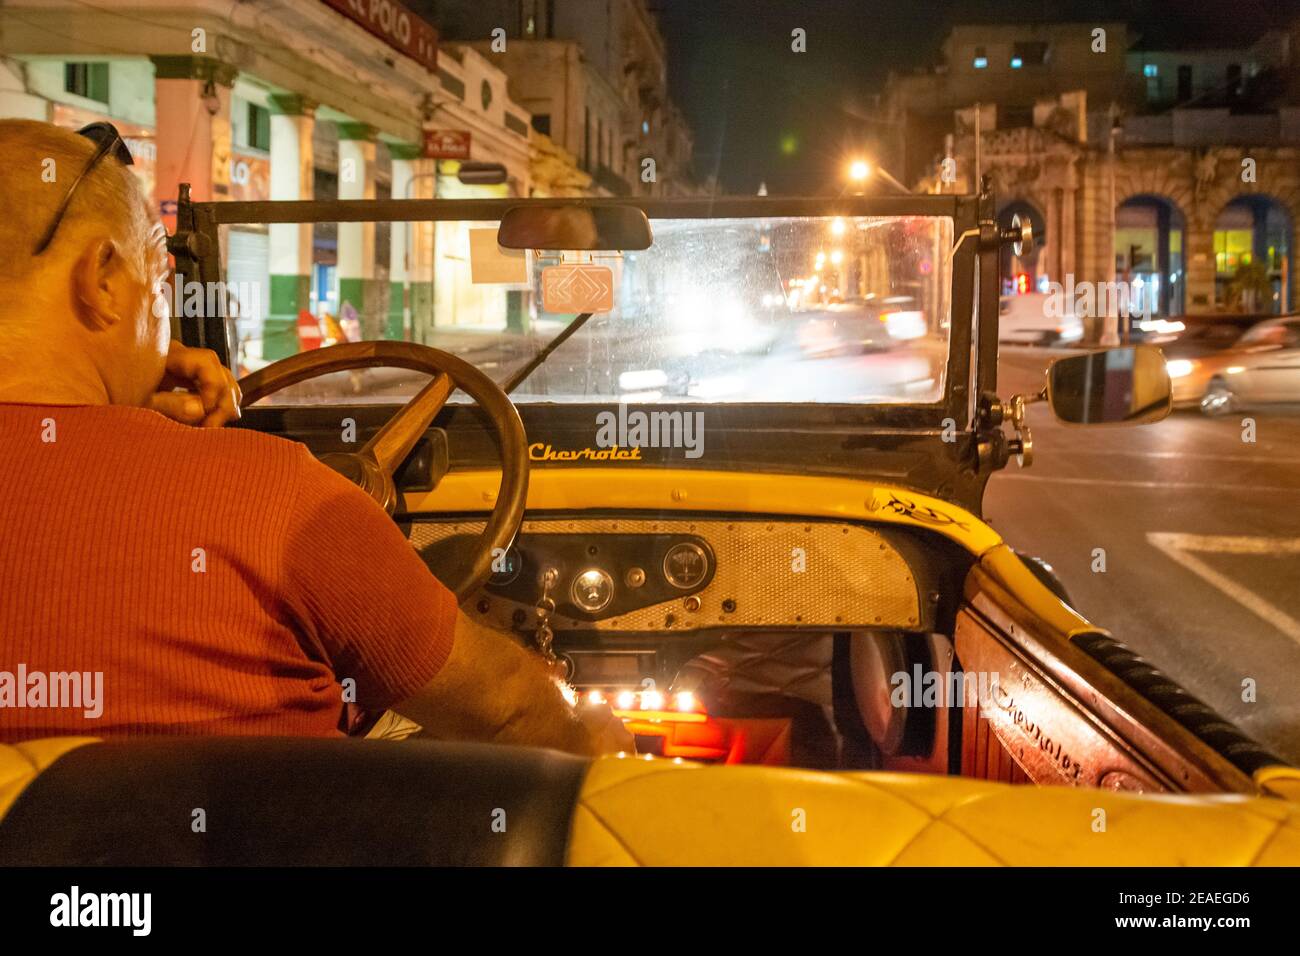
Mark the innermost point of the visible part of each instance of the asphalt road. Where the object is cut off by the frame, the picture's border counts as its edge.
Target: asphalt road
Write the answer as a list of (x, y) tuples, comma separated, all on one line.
[(1201, 539)]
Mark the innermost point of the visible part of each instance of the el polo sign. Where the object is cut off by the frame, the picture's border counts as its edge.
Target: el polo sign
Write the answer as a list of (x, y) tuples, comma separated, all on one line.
[(395, 25)]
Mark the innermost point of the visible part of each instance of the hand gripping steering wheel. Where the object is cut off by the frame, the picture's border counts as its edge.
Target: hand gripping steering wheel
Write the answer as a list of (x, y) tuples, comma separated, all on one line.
[(372, 467)]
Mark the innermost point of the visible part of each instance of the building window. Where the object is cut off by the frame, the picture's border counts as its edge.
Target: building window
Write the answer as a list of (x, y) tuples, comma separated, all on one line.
[(1149, 70), (542, 123), (259, 127), (645, 127), (86, 79), (1184, 83), (981, 58), (1234, 79), (1033, 53)]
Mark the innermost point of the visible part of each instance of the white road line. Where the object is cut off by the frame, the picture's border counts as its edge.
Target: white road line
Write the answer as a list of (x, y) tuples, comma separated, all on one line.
[(1173, 455), (1151, 485), (1178, 547)]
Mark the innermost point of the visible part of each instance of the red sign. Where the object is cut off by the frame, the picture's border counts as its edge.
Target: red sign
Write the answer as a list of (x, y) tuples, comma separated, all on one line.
[(395, 25), (446, 144)]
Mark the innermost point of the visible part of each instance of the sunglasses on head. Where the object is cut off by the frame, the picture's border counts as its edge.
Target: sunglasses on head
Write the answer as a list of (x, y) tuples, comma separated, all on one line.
[(107, 140)]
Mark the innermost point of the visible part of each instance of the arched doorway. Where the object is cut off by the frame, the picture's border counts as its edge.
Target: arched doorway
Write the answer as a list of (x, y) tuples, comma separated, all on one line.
[(1023, 273), (1252, 256), (1149, 241)]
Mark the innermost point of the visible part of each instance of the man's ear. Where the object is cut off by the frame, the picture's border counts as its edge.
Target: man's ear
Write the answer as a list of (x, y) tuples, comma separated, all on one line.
[(98, 284)]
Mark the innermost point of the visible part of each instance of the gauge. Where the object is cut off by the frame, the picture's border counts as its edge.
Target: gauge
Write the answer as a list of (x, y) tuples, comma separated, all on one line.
[(686, 565), (592, 590)]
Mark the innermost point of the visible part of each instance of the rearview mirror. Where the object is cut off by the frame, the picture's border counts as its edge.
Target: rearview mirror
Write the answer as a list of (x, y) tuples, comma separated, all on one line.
[(585, 228), (1118, 386)]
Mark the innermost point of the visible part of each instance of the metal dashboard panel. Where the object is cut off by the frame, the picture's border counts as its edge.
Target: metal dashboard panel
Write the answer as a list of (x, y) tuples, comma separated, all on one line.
[(768, 574)]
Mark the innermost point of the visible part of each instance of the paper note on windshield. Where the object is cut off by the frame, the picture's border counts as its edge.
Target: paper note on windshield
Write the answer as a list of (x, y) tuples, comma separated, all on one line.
[(489, 264), (577, 288)]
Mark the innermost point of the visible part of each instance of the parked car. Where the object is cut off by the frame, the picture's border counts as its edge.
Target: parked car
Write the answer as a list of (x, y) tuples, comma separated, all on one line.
[(1219, 373), (1030, 319)]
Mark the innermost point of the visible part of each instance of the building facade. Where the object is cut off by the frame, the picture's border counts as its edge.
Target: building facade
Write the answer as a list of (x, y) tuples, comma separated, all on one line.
[(594, 78), (309, 99), (1175, 170)]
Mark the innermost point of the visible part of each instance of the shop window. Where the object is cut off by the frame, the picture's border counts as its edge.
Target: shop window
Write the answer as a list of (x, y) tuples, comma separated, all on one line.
[(981, 60), (87, 79)]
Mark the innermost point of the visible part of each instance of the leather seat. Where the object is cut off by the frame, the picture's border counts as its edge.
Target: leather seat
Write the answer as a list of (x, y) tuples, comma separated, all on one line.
[(79, 802), (638, 813), (284, 802)]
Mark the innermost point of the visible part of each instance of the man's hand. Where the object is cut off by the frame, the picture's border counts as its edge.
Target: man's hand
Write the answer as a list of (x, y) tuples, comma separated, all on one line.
[(606, 732), (491, 689), (211, 396)]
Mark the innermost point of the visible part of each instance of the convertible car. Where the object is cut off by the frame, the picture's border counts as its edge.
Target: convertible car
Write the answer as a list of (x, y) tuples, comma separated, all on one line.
[(771, 563)]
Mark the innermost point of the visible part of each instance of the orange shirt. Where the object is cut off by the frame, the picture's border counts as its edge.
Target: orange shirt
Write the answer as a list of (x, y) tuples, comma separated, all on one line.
[(218, 581)]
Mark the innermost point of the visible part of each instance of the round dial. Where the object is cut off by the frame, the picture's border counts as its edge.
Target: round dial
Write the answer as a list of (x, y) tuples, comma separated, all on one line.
[(592, 590), (685, 565)]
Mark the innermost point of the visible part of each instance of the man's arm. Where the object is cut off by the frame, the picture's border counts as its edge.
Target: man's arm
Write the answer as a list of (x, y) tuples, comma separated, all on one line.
[(360, 593), (492, 689)]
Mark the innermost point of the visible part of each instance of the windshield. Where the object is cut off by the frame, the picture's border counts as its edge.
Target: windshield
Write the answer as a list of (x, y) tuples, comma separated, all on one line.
[(791, 309)]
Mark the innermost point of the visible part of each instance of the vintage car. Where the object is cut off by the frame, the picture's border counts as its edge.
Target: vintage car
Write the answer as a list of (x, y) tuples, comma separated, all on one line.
[(774, 568), (1260, 367)]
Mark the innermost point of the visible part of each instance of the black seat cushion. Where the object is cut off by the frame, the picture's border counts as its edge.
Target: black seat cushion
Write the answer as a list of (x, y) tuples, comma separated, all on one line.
[(288, 802)]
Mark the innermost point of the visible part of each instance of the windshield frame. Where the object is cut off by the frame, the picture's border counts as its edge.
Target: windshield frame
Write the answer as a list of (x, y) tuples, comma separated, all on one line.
[(196, 247)]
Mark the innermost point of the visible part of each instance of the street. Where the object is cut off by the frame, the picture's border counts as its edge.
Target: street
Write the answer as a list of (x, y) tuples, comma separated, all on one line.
[(1212, 613)]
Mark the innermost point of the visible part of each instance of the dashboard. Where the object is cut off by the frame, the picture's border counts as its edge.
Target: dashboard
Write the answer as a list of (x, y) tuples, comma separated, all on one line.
[(633, 574)]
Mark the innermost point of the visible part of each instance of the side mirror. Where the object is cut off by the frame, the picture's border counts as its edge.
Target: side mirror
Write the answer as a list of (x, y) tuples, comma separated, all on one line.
[(583, 228), (1118, 386)]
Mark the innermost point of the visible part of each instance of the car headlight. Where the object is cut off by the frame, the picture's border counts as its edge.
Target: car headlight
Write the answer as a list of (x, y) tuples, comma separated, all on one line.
[(1177, 368)]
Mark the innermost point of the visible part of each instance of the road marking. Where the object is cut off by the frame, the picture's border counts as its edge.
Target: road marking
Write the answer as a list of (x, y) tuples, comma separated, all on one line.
[(1180, 455), (1178, 547), (1151, 485)]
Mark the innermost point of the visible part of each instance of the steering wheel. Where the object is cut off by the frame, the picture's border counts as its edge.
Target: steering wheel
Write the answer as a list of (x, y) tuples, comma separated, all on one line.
[(372, 467)]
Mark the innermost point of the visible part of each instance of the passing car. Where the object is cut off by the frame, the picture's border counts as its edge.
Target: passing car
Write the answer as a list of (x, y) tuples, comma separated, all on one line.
[(1219, 374), (1036, 318), (795, 604)]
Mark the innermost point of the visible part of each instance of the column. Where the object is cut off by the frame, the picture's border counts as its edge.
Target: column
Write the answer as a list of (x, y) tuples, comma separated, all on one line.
[(293, 120), (405, 157), (423, 185), (356, 273), (192, 102), (1198, 256)]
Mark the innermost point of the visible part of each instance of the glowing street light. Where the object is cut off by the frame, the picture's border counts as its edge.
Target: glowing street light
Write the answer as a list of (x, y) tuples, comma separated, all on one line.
[(859, 170)]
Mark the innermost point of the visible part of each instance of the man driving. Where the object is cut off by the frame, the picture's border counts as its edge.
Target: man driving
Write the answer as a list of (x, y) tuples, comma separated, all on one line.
[(214, 581)]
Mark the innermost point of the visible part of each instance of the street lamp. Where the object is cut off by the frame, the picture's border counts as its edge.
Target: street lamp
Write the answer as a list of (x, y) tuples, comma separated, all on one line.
[(860, 171)]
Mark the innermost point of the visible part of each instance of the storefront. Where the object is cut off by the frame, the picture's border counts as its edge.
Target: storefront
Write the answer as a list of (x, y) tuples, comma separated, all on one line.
[(304, 100)]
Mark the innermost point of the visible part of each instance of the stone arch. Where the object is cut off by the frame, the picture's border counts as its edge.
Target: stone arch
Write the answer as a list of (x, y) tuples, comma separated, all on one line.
[(1150, 250), (1163, 173), (1272, 221)]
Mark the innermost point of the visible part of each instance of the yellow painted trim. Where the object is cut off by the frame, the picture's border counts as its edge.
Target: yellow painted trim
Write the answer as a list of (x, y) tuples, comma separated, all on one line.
[(22, 763), (687, 490), (1005, 567), (1279, 780)]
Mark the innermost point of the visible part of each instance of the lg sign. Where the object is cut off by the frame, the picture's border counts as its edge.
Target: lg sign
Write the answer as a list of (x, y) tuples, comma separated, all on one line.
[(395, 25)]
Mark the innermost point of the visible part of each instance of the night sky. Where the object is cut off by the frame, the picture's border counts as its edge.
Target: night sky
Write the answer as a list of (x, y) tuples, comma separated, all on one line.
[(763, 113)]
